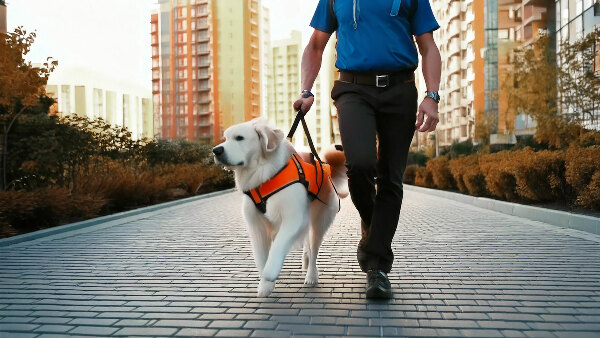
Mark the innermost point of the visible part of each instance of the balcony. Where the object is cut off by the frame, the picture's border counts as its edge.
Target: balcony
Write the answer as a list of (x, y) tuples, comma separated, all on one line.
[(453, 47), (470, 75), (470, 36), (453, 67), (469, 17), (453, 10), (453, 28)]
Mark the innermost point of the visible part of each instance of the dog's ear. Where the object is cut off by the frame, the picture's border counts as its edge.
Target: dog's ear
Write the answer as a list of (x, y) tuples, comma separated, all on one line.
[(270, 138)]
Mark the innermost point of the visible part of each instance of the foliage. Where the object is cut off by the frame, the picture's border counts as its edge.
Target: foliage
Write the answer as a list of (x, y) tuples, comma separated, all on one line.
[(424, 178), (23, 211), (460, 148), (458, 169), (484, 127), (539, 176), (417, 157), (442, 177), (558, 90), (20, 82), (582, 173), (177, 151), (410, 173)]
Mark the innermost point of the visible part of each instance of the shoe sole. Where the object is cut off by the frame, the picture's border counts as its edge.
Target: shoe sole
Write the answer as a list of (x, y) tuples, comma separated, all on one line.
[(379, 293)]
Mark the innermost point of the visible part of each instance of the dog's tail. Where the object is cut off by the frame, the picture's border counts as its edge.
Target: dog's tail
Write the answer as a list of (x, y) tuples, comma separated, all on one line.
[(336, 159)]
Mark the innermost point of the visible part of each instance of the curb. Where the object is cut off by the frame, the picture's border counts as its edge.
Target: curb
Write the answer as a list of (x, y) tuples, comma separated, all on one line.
[(554, 217), (105, 221)]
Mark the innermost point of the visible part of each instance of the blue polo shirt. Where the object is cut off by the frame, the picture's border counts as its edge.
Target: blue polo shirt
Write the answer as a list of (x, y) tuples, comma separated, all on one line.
[(375, 35)]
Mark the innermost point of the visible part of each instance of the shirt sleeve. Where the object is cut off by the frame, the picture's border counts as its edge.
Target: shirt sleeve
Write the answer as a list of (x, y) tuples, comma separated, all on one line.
[(323, 19), (423, 21)]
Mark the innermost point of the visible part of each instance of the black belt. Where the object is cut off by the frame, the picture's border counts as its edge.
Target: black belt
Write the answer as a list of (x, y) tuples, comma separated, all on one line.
[(383, 79)]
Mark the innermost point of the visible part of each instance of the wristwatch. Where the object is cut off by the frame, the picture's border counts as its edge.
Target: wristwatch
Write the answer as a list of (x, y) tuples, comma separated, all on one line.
[(306, 93), (433, 95)]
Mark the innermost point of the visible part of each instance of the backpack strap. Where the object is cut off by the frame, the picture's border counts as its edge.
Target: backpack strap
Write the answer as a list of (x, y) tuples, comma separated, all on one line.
[(332, 13)]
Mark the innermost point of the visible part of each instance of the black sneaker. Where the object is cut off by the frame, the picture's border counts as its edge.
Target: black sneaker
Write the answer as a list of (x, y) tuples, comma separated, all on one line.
[(378, 285)]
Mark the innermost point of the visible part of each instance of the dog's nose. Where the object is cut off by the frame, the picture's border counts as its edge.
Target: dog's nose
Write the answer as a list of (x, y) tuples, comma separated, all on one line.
[(218, 150)]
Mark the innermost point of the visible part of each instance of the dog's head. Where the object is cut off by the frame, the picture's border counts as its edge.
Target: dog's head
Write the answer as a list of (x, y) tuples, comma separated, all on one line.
[(245, 143)]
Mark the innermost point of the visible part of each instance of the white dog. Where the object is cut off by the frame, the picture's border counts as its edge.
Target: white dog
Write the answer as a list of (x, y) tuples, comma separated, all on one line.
[(256, 152)]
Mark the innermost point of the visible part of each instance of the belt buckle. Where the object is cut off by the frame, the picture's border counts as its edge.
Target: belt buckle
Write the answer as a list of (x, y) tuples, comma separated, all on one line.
[(382, 80)]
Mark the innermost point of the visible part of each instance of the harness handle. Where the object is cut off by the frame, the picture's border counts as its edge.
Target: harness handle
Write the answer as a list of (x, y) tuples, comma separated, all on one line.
[(300, 117)]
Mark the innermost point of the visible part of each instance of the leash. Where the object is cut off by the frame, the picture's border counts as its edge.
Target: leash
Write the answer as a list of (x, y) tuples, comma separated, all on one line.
[(300, 117)]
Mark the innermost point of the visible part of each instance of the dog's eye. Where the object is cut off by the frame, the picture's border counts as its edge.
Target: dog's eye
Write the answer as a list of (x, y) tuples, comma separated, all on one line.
[(239, 138)]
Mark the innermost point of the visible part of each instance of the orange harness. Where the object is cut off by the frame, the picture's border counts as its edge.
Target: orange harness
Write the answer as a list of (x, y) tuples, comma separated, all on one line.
[(311, 175)]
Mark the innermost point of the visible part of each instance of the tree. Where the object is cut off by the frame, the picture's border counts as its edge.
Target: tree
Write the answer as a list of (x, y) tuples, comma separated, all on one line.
[(21, 84), (578, 84), (559, 90)]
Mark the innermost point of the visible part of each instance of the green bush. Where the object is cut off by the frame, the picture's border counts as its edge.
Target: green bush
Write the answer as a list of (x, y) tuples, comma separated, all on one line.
[(417, 158), (176, 151), (460, 148)]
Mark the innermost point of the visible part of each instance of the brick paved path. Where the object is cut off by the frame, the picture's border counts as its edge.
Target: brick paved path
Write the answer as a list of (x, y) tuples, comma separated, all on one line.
[(459, 271)]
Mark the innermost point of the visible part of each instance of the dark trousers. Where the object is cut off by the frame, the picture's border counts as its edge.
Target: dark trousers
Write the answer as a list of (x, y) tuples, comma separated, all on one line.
[(376, 128)]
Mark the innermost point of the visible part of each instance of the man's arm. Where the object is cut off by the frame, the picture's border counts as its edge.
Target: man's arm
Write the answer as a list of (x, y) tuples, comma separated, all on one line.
[(311, 63), (432, 67)]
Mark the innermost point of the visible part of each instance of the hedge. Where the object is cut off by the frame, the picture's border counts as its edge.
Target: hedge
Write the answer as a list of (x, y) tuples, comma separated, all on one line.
[(524, 175)]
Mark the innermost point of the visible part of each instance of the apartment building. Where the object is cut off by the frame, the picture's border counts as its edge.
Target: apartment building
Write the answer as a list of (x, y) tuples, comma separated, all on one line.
[(285, 85), (85, 92), (205, 66), (2, 17), (265, 54), (573, 20), (322, 117), (460, 40), (285, 89)]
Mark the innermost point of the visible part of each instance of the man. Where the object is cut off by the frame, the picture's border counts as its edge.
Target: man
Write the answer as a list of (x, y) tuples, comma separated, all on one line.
[(376, 100)]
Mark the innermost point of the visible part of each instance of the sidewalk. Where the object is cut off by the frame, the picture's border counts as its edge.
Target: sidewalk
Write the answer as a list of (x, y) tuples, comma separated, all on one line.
[(188, 270)]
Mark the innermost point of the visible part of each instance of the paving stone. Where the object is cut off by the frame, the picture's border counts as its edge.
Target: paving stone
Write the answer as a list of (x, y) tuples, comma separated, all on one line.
[(146, 331), (54, 328), (99, 330), (458, 271), (232, 333), (195, 332), (182, 323)]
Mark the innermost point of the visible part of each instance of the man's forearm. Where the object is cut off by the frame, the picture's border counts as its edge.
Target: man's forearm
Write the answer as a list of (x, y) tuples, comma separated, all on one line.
[(311, 63), (432, 68)]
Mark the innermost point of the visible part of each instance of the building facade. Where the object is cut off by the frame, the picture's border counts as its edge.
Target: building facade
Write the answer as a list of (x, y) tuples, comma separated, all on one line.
[(2, 17), (93, 95), (573, 20), (205, 66), (460, 39), (285, 88)]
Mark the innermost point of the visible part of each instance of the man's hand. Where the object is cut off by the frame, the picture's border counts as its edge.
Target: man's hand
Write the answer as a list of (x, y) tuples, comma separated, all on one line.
[(427, 108), (304, 104)]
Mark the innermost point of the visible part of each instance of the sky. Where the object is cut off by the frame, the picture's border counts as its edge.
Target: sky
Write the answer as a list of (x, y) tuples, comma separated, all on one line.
[(113, 36)]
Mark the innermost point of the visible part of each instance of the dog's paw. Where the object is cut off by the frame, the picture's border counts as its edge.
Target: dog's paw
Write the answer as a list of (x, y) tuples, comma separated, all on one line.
[(265, 288), (312, 277)]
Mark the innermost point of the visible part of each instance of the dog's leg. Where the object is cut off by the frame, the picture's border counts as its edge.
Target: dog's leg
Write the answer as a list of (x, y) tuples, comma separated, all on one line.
[(305, 253), (257, 230), (291, 228), (320, 222)]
